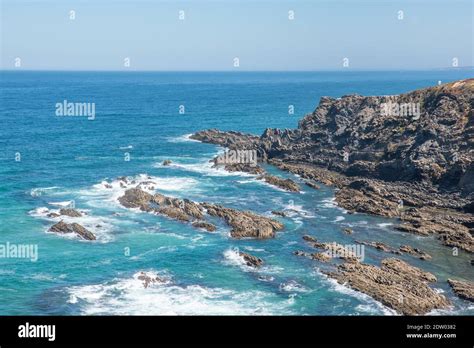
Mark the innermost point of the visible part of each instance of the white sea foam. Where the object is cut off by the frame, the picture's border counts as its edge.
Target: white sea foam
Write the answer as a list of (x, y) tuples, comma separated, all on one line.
[(101, 227), (249, 248), (182, 139), (62, 204), (206, 168), (292, 286), (39, 191), (232, 257), (328, 203), (130, 297), (339, 218), (105, 193), (295, 210)]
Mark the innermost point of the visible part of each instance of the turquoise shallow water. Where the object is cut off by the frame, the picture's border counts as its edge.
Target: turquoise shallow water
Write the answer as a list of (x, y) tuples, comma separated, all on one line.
[(69, 158)]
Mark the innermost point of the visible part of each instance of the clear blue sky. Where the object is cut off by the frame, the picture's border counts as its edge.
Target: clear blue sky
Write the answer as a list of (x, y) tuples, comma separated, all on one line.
[(258, 32)]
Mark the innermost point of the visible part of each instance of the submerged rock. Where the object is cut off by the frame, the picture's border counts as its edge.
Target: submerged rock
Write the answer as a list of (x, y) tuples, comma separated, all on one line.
[(62, 227), (166, 162)]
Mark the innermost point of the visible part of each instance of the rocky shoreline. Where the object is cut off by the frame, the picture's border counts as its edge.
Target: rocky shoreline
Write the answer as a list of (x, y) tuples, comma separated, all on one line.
[(419, 170), (244, 224)]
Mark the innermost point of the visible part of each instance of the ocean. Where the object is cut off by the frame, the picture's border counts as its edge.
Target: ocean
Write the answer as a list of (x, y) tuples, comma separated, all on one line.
[(141, 119)]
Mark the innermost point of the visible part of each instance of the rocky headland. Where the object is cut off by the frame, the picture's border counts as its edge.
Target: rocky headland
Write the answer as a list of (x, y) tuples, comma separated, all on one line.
[(415, 167), (418, 168)]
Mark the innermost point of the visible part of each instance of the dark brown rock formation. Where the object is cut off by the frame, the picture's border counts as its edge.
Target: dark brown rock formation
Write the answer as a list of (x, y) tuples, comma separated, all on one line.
[(62, 227), (463, 289)]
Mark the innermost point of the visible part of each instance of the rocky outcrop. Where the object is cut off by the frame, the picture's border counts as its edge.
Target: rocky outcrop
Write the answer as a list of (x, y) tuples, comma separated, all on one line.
[(136, 198), (62, 227), (348, 230), (167, 162), (240, 167), (279, 213), (204, 225), (230, 140), (312, 184), (463, 289), (285, 184), (333, 250), (396, 284), (148, 279), (244, 223), (250, 260), (407, 249), (70, 212), (322, 257), (380, 246)]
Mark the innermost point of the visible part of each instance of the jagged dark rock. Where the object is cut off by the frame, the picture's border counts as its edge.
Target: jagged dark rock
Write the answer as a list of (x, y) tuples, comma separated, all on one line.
[(167, 162), (62, 227), (251, 260), (244, 223)]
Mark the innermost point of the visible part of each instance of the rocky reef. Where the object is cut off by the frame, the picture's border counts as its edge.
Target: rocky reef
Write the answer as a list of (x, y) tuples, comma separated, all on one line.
[(244, 224)]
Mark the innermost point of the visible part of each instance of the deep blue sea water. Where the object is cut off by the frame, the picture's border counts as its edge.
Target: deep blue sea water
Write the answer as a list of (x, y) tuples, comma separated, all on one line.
[(66, 159)]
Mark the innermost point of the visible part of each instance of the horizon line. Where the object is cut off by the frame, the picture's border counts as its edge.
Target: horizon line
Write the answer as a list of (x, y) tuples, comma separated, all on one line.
[(238, 70)]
